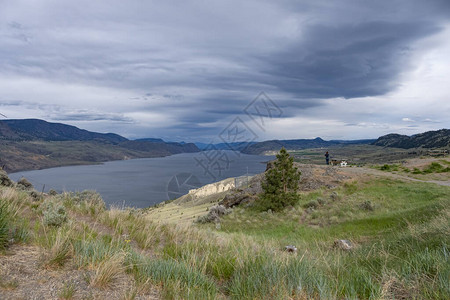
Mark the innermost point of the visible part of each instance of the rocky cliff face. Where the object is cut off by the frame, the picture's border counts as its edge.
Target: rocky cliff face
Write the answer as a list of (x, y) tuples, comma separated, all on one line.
[(210, 192)]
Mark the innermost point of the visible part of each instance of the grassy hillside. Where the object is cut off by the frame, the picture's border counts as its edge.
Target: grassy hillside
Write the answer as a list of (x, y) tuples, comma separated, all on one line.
[(68, 246)]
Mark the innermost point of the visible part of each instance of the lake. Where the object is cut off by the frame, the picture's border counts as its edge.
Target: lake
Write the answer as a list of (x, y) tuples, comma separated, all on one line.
[(147, 181)]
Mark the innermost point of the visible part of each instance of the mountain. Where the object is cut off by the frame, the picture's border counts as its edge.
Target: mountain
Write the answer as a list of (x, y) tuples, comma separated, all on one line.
[(238, 146), (430, 139), (166, 148), (36, 144), (275, 145), (35, 129), (152, 140)]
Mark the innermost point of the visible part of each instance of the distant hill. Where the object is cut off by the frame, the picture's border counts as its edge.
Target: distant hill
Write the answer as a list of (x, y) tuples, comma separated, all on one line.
[(162, 147), (35, 129), (275, 145), (429, 139), (238, 146), (152, 140), (35, 144)]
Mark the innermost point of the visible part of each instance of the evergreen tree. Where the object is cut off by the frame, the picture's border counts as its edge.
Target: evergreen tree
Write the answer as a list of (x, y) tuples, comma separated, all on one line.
[(281, 183)]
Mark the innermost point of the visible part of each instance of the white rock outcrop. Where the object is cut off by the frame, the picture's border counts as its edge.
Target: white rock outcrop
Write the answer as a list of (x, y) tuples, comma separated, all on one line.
[(213, 188)]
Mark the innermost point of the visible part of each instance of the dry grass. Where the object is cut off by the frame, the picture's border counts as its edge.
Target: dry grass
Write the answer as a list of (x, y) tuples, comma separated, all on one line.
[(59, 249), (108, 270), (178, 214)]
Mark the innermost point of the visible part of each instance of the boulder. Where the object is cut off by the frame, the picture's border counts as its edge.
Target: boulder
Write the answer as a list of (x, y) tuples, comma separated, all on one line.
[(290, 248), (343, 245), (236, 198)]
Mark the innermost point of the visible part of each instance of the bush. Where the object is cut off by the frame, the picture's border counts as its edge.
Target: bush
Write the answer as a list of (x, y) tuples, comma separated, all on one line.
[(311, 204), (214, 214), (277, 202), (54, 213), (367, 205), (4, 179), (24, 184)]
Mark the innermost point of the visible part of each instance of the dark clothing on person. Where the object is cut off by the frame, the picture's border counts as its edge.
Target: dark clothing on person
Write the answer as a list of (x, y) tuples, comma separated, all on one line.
[(327, 158)]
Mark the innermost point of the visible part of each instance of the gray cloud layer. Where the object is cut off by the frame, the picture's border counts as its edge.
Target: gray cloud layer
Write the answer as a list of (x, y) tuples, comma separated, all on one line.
[(185, 68)]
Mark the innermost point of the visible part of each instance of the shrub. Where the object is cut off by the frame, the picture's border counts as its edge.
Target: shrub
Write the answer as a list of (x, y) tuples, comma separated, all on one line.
[(435, 167), (24, 184), (311, 204), (277, 202), (321, 201), (214, 214), (4, 179), (54, 213), (367, 205)]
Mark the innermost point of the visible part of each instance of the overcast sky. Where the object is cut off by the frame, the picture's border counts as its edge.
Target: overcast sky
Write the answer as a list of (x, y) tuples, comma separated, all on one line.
[(183, 70)]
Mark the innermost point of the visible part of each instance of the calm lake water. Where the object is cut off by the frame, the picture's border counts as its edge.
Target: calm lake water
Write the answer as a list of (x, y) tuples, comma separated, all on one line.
[(144, 182)]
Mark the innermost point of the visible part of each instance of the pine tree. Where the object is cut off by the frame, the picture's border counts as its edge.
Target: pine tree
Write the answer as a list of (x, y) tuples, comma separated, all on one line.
[(281, 183)]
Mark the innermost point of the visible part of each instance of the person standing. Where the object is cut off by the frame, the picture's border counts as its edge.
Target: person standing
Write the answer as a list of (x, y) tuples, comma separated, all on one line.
[(327, 158)]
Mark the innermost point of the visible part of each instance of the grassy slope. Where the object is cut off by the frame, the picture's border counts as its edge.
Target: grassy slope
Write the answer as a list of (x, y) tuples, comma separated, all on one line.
[(401, 233)]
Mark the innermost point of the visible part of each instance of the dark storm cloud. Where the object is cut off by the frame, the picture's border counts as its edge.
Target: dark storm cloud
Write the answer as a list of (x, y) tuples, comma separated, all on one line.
[(348, 61), (196, 65), (89, 116)]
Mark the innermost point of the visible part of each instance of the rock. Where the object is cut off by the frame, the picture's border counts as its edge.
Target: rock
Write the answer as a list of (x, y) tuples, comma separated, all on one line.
[(343, 245), (290, 248), (24, 184), (236, 198)]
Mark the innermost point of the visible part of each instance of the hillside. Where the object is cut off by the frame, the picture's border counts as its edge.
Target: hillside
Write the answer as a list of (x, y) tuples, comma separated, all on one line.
[(358, 233), (36, 144), (299, 144), (429, 139)]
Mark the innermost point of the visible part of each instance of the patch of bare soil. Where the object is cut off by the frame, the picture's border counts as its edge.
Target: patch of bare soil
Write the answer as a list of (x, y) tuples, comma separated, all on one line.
[(22, 277), (316, 176)]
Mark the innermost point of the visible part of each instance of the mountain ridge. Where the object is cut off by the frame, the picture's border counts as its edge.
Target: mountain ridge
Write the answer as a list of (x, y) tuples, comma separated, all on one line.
[(429, 139), (298, 144), (28, 144)]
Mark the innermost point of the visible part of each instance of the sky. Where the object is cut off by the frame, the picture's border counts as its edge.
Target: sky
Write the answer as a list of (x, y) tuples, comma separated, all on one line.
[(193, 70)]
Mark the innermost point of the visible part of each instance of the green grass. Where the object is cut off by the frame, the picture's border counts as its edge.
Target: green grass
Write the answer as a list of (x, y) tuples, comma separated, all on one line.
[(68, 290), (401, 246), (432, 168), (4, 224)]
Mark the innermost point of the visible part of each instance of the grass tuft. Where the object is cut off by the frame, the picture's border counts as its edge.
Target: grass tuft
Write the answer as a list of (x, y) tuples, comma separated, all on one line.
[(107, 271)]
